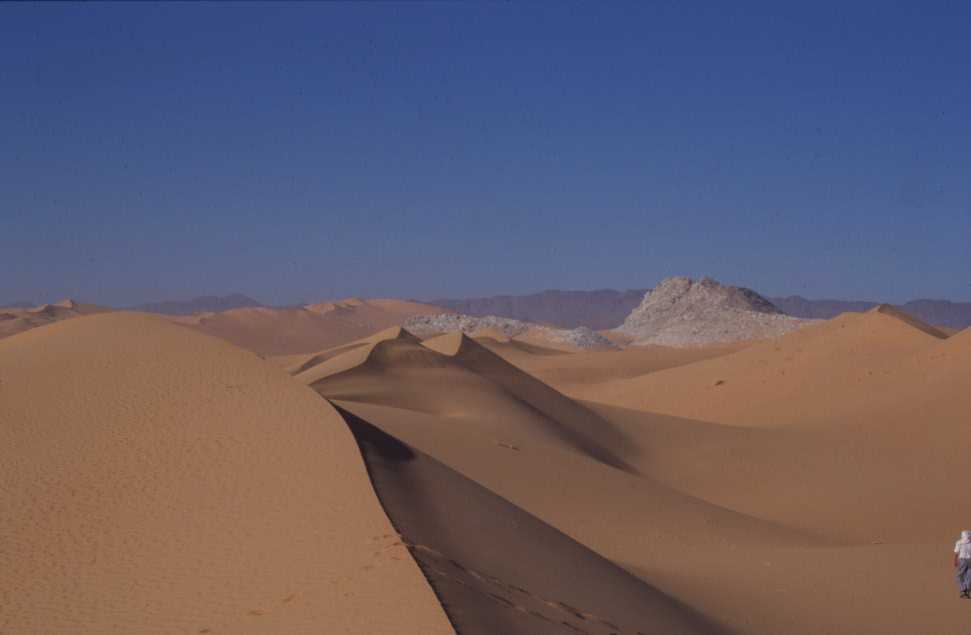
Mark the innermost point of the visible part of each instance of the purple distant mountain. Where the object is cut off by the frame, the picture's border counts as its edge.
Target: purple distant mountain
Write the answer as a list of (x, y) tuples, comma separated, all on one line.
[(938, 312), (200, 304)]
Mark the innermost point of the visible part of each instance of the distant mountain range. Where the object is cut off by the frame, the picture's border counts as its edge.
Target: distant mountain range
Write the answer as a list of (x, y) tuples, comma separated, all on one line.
[(599, 310), (608, 308), (956, 315), (201, 304)]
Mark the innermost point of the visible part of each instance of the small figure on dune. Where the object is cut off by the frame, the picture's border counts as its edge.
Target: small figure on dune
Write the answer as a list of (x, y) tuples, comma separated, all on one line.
[(962, 562)]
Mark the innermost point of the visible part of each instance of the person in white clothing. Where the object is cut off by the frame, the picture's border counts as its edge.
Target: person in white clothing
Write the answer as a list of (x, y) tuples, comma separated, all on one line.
[(962, 562)]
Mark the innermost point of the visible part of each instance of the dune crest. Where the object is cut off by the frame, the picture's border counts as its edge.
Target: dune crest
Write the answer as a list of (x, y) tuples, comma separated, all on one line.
[(466, 556), (20, 319), (306, 329), (886, 309)]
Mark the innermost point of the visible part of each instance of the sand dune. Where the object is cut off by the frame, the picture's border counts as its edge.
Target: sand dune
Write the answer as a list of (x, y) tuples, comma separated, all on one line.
[(918, 324), (592, 367), (18, 320), (826, 372), (464, 379), (313, 327), (768, 529), (156, 481)]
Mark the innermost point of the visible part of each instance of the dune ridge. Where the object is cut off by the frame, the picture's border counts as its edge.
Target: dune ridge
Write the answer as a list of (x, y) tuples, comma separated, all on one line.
[(303, 330), (464, 554), (15, 320)]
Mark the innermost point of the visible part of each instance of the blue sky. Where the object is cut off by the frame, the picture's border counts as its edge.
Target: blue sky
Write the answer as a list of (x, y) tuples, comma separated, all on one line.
[(306, 151)]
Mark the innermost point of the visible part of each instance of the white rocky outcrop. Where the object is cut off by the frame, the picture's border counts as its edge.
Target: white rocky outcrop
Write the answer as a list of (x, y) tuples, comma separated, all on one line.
[(684, 312), (581, 337)]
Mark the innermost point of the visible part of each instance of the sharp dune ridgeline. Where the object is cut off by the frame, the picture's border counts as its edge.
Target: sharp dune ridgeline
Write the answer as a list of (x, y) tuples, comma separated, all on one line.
[(346, 474)]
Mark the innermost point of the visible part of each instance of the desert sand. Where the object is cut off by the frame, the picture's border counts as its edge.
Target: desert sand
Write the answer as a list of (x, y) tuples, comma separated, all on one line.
[(771, 510), (156, 480), (803, 484)]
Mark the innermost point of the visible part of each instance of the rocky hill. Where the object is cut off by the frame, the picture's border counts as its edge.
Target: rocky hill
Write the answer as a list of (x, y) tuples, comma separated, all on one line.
[(598, 310), (607, 308), (580, 337), (684, 312)]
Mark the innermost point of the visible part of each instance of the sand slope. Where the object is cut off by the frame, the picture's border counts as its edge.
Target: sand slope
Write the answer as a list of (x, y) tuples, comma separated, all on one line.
[(314, 327), (500, 570), (584, 368), (454, 376), (514, 435), (159, 481)]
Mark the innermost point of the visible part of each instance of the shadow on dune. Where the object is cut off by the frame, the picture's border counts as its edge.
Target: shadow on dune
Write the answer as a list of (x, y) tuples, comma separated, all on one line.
[(424, 377), (497, 569)]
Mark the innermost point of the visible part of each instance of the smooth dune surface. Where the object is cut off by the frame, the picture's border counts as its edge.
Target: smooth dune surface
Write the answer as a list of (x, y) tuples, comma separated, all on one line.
[(826, 372), (156, 480)]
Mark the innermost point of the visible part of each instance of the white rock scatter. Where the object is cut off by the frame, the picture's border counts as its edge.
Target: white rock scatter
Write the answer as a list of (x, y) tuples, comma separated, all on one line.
[(427, 325), (683, 312)]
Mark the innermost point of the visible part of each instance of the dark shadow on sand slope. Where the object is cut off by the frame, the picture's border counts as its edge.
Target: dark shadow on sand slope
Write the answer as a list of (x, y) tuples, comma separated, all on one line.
[(496, 568), (407, 367), (573, 423)]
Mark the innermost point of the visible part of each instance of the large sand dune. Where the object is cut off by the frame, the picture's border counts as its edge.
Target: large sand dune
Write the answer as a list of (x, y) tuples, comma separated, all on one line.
[(305, 329), (498, 569), (825, 373), (156, 480)]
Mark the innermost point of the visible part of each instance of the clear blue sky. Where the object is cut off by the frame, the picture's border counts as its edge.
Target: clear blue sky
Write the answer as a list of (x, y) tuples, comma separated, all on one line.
[(306, 151)]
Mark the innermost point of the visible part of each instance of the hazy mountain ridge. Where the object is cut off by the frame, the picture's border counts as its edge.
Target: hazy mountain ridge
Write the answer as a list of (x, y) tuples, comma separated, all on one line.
[(955, 315), (599, 309), (200, 304)]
